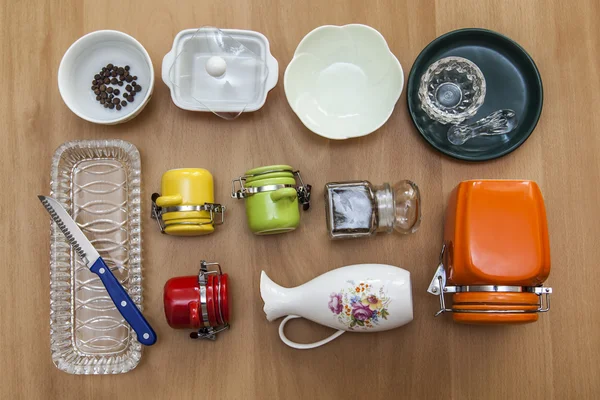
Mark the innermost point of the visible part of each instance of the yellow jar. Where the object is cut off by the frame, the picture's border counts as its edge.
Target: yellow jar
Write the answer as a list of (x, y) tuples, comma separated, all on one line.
[(186, 204)]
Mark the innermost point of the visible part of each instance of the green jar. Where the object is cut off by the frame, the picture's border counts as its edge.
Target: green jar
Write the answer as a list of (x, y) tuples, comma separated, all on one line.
[(272, 195)]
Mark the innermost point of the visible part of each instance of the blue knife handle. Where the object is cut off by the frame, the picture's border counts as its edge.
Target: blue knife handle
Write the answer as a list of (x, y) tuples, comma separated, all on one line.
[(124, 304)]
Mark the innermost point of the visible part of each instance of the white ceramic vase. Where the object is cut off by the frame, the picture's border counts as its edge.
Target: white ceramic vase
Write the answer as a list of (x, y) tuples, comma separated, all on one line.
[(357, 298)]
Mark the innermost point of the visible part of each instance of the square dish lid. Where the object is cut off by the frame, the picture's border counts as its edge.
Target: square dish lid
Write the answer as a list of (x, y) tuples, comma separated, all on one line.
[(226, 72)]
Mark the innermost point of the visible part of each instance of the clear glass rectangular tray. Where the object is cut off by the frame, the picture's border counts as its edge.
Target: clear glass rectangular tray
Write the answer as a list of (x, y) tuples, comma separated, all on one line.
[(98, 183)]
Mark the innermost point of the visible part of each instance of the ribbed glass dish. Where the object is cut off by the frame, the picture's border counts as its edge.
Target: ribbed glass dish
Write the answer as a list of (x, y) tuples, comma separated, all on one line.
[(98, 183), (452, 90)]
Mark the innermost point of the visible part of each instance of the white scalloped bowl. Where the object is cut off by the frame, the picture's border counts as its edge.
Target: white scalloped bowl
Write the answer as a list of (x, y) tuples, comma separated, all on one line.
[(343, 81)]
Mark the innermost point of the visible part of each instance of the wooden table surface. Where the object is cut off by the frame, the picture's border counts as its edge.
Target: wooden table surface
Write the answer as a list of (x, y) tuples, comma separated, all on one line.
[(557, 357)]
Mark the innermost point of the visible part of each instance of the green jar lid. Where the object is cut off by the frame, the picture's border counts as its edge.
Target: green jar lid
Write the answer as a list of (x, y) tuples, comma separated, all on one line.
[(281, 173), (269, 180), (262, 170)]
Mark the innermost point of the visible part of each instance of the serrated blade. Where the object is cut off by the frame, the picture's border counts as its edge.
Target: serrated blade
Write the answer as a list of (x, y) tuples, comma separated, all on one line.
[(69, 228)]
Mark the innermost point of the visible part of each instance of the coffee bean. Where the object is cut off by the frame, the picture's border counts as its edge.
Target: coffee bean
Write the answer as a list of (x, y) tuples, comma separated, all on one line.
[(129, 79), (107, 80), (138, 88), (124, 103), (133, 83), (106, 73), (97, 91), (115, 100), (98, 98), (94, 87), (133, 93), (102, 88), (120, 70), (128, 88), (109, 89), (105, 105), (130, 99), (102, 101), (111, 106), (120, 83), (103, 69), (97, 76), (127, 68), (109, 66), (103, 95), (114, 81), (113, 74), (111, 96), (135, 77), (116, 92), (118, 107)]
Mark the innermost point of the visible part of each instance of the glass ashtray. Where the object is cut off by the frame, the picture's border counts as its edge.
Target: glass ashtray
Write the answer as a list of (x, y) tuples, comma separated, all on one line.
[(452, 90)]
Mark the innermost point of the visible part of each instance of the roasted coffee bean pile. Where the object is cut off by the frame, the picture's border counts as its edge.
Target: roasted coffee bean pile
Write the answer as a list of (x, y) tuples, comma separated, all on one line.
[(106, 94)]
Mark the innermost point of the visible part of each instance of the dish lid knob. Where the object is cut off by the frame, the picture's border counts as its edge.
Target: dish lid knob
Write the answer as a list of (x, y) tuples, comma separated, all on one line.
[(216, 66)]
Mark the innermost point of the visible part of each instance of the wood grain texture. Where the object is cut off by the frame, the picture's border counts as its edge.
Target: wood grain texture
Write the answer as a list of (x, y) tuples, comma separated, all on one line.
[(556, 358)]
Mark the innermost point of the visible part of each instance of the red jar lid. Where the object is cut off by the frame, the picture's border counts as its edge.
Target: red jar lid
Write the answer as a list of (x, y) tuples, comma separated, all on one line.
[(225, 303), (217, 291), (211, 299)]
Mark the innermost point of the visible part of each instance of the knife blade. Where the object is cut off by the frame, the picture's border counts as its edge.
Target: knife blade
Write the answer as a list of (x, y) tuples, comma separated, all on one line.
[(89, 255)]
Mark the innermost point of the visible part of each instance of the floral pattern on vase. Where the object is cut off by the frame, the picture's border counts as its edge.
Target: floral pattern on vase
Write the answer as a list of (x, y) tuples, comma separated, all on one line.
[(359, 306), (335, 303)]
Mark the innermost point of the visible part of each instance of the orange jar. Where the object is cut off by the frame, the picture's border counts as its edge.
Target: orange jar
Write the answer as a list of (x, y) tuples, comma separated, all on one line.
[(496, 254)]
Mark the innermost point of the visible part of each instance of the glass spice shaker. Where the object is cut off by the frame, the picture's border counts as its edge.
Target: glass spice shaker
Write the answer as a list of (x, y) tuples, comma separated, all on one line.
[(358, 208)]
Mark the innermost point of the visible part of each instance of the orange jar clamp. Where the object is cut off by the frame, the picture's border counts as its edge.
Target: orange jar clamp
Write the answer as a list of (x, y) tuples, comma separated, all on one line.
[(496, 253)]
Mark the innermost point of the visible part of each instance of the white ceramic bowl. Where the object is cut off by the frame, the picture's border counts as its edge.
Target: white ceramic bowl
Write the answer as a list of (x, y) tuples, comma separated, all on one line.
[(86, 57), (343, 81)]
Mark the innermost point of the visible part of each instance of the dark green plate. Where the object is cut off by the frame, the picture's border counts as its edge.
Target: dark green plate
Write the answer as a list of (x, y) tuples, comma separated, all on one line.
[(512, 81)]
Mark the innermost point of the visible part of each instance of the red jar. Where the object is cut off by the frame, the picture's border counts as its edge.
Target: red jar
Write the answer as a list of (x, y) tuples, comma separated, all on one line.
[(198, 302)]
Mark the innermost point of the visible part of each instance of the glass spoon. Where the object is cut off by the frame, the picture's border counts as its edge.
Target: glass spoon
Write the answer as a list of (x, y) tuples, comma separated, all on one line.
[(497, 123)]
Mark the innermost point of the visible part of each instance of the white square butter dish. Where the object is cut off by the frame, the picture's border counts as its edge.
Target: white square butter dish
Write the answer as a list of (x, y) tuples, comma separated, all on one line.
[(226, 72)]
